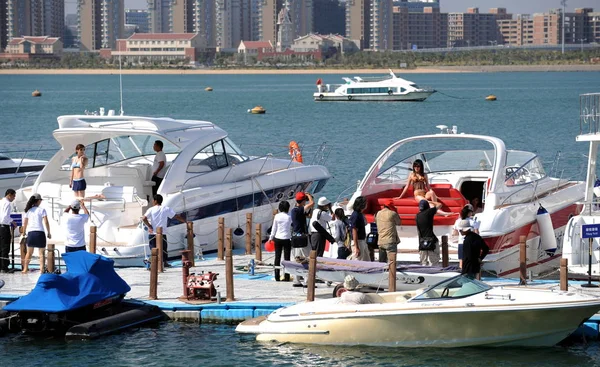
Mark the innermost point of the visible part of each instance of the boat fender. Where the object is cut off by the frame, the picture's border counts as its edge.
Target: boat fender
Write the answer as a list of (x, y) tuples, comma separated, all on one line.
[(390, 92), (349, 98), (295, 152), (546, 229), (321, 96)]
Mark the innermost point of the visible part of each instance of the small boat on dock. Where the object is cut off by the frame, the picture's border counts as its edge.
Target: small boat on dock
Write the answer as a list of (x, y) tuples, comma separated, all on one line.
[(457, 312), (389, 88)]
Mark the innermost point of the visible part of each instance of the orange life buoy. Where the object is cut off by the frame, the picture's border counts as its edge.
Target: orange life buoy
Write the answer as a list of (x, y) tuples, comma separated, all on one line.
[(295, 152)]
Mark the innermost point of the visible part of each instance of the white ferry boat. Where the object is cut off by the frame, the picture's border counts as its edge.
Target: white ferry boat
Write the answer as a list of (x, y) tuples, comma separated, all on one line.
[(388, 89)]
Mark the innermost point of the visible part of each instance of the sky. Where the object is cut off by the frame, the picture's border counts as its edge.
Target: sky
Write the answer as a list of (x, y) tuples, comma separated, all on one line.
[(513, 6)]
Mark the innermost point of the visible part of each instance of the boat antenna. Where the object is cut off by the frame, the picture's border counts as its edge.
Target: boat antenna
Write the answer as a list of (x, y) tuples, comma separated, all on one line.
[(120, 77)]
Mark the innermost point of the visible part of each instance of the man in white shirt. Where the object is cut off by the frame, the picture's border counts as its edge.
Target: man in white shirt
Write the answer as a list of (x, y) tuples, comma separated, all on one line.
[(159, 166), (75, 223), (5, 228), (157, 216)]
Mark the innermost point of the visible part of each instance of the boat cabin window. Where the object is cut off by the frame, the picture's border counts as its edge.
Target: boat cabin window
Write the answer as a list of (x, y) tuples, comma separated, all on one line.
[(120, 148), (457, 287), (216, 156), (522, 168)]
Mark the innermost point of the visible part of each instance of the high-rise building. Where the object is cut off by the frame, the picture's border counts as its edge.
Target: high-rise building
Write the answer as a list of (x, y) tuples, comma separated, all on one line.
[(517, 31), (285, 29), (138, 18), (34, 18), (3, 25), (474, 28), (426, 28), (417, 6), (185, 16), (301, 15), (159, 16), (100, 23), (328, 17), (371, 23), (232, 22)]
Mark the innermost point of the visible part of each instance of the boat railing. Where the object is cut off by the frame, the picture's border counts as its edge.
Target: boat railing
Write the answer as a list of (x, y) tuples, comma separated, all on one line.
[(372, 79), (13, 152), (589, 113)]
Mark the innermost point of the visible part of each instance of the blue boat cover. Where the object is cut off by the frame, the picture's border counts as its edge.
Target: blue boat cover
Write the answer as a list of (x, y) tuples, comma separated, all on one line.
[(90, 278)]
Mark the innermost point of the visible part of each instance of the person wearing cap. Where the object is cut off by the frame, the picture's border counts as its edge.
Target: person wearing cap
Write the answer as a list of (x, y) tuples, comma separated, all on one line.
[(33, 227), (304, 204), (6, 224), (319, 222), (465, 213), (351, 296), (158, 216), (387, 221), (75, 223), (424, 221), (474, 250)]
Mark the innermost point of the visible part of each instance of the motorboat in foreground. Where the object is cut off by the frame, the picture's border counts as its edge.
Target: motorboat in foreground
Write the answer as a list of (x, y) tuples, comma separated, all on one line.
[(208, 177), (520, 198), (583, 252), (16, 173), (387, 89), (457, 312), (372, 274)]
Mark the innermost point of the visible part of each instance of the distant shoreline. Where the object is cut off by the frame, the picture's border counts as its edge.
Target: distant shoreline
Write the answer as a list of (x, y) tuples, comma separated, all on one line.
[(346, 71)]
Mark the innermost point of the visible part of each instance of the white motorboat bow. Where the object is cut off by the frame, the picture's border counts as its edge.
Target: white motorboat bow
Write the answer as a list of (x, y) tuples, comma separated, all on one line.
[(372, 274), (16, 173), (208, 177), (388, 89), (457, 312), (460, 167)]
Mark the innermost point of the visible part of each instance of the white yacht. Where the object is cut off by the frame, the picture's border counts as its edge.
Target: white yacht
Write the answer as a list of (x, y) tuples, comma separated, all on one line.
[(520, 198), (387, 89), (208, 177), (16, 173)]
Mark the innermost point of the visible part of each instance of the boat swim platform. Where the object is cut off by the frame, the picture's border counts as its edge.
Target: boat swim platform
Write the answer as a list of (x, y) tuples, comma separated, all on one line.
[(256, 295)]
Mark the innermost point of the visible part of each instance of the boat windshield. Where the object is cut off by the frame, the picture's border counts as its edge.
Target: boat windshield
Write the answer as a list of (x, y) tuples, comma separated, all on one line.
[(458, 287), (120, 148), (522, 168)]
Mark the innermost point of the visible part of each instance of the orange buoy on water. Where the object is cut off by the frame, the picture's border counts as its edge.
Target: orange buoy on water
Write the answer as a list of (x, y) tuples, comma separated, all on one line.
[(295, 152), (36, 93), (491, 97), (258, 110)]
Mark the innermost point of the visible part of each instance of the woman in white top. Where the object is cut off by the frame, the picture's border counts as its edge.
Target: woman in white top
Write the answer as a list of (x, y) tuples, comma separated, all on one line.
[(34, 230), (321, 215), (339, 231), (281, 234)]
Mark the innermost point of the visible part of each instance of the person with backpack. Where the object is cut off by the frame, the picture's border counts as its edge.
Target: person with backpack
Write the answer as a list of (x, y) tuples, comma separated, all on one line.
[(300, 248)]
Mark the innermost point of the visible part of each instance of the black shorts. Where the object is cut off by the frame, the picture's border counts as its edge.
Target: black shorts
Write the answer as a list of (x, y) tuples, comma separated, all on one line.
[(36, 239), (79, 185)]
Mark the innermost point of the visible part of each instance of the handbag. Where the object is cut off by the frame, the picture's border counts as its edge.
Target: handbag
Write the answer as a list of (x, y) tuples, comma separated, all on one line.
[(372, 239), (427, 243), (299, 240), (343, 252)]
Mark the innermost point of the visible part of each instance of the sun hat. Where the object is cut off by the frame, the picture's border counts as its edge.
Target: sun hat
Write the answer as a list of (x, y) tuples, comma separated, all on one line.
[(75, 204), (37, 196), (350, 282), (323, 201), (464, 225), (389, 203), (423, 204), (300, 196)]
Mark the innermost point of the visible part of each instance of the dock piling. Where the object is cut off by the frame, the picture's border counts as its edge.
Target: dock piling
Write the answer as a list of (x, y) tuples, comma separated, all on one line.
[(392, 271), (248, 233), (220, 238), (190, 244), (445, 260), (523, 260), (159, 246), (564, 274), (312, 272), (50, 258), (258, 242), (153, 274), (93, 231), (229, 266), (186, 264)]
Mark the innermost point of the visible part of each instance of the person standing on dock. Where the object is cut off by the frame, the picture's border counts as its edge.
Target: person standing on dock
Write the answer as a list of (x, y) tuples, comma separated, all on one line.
[(75, 224), (304, 204), (157, 216), (78, 165), (474, 249), (360, 250), (429, 249), (281, 234), (159, 166), (33, 227), (387, 222), (5, 228)]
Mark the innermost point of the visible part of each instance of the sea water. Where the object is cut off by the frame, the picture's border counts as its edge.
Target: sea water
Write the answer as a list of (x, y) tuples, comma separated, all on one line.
[(535, 111)]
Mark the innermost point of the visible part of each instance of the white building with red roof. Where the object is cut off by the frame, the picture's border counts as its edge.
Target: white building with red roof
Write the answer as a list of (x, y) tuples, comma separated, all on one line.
[(254, 47), (142, 47), (40, 45)]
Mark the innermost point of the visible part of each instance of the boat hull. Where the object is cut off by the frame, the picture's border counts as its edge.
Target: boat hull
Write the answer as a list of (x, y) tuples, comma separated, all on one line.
[(445, 328), (408, 97)]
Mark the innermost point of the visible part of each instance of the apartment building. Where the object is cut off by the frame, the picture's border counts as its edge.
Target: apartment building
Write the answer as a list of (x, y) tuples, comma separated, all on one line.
[(232, 23), (33, 18), (301, 15), (100, 23), (328, 17), (516, 32), (137, 18), (593, 27), (427, 28), (474, 28), (370, 22), (3, 23)]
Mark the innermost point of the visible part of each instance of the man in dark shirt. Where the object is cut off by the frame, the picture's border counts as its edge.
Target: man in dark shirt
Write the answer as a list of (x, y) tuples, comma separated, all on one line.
[(424, 221), (474, 249), (304, 204)]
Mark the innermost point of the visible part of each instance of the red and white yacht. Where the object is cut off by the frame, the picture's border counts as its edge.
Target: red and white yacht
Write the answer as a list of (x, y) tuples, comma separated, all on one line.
[(519, 198)]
